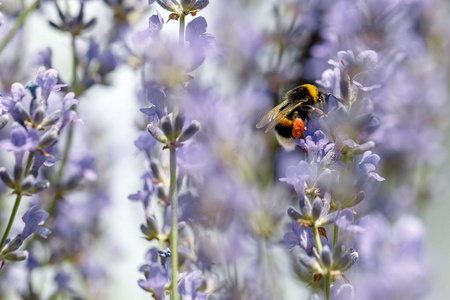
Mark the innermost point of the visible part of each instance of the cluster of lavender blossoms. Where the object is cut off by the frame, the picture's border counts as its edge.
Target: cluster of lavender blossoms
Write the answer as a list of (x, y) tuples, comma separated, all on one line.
[(227, 212)]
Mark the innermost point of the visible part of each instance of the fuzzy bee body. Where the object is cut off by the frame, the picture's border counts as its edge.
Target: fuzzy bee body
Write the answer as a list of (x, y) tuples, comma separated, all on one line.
[(288, 118)]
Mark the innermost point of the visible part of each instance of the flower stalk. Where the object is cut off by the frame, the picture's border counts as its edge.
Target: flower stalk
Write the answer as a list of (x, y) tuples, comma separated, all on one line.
[(19, 22), (17, 201)]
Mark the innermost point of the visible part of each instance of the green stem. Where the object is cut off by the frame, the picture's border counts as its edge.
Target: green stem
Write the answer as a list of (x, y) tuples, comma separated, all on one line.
[(315, 230), (17, 202), (74, 66), (327, 282), (71, 126), (11, 218), (174, 230), (173, 192), (335, 235), (19, 22), (181, 30), (29, 163)]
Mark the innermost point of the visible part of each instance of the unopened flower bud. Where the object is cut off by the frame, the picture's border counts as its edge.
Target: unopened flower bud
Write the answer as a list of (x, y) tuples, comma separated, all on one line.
[(151, 230), (178, 125), (326, 256), (157, 133), (169, 5), (166, 126), (309, 262), (190, 131), (6, 178), (39, 115), (51, 119), (295, 215), (73, 182), (12, 245), (348, 260), (22, 113), (162, 195), (16, 256), (27, 183), (157, 169), (317, 208), (3, 121), (49, 138), (40, 186)]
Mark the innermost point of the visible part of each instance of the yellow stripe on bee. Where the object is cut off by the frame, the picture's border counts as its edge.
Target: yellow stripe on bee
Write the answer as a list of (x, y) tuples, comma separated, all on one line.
[(286, 122), (313, 91)]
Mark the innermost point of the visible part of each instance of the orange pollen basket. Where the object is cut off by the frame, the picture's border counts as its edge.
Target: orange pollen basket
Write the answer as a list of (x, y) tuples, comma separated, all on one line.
[(298, 127)]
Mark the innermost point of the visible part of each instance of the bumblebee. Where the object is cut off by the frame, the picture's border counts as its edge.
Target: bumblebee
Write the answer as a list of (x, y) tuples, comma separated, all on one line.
[(288, 118)]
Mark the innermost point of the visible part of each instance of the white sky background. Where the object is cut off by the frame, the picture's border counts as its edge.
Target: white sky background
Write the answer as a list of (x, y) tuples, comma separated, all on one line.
[(112, 110)]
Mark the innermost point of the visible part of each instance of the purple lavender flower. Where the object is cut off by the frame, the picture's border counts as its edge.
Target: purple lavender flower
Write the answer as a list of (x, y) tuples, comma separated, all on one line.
[(156, 275), (189, 284), (297, 176), (34, 219)]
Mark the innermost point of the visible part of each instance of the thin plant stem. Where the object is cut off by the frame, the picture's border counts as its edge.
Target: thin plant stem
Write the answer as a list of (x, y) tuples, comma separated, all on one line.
[(181, 30), (335, 235), (173, 191), (69, 139), (315, 230), (19, 22), (327, 283), (16, 202), (174, 231), (11, 218)]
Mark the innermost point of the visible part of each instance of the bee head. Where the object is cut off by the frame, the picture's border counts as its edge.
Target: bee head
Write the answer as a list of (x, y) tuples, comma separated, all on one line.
[(305, 91)]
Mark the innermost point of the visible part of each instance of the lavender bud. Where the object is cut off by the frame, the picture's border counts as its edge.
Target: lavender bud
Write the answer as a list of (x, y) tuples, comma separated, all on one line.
[(317, 208), (348, 260), (12, 245), (157, 169), (6, 178), (39, 115), (51, 119), (151, 230), (16, 256), (74, 182), (166, 126), (189, 132), (40, 186), (27, 183), (178, 126), (22, 113), (162, 195), (326, 256), (305, 206), (169, 5), (328, 219), (187, 3), (309, 262), (3, 121), (200, 4), (157, 133), (152, 224), (295, 215), (49, 138)]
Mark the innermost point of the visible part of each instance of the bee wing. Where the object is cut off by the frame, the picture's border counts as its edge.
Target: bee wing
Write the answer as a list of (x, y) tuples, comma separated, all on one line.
[(278, 113), (270, 116)]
